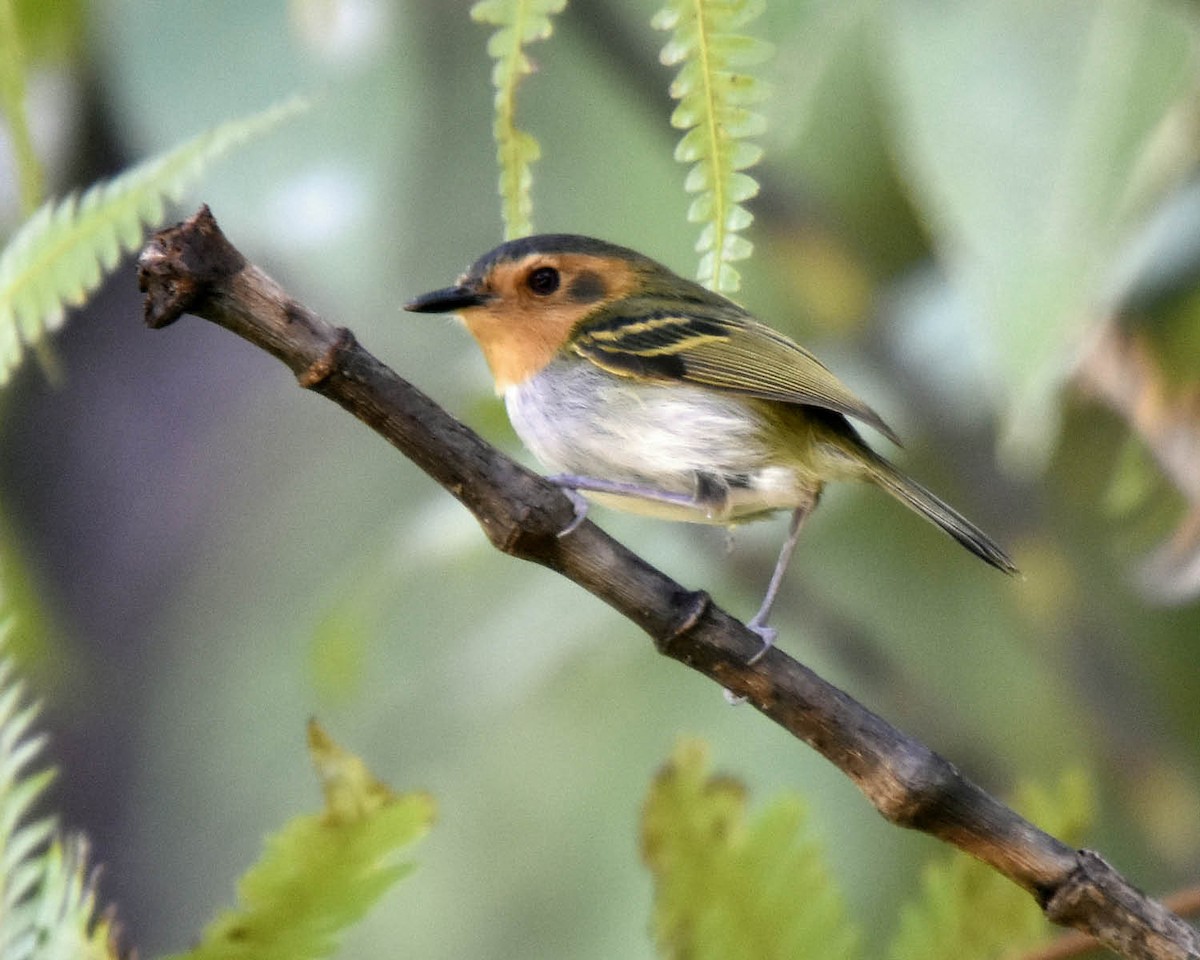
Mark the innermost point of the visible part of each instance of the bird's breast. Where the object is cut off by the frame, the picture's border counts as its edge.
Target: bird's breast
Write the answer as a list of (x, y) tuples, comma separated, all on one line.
[(676, 438)]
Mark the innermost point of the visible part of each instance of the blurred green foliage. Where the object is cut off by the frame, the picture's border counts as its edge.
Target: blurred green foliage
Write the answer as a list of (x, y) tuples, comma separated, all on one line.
[(955, 198), (51, 32), (729, 888), (321, 872), (966, 911)]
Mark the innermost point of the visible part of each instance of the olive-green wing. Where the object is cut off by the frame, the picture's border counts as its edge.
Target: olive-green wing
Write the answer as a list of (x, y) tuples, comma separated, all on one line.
[(716, 346)]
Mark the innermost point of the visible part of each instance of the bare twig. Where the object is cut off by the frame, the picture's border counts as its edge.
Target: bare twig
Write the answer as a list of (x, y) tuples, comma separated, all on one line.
[(192, 268)]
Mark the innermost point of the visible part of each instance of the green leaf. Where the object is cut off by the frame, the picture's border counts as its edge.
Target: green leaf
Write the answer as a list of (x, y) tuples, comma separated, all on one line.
[(967, 911), (324, 871), (47, 899), (727, 887), (520, 22), (1034, 159), (63, 251), (714, 93)]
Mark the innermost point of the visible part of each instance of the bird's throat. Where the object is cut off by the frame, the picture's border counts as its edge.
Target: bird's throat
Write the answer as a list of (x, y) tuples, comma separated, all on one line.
[(516, 351)]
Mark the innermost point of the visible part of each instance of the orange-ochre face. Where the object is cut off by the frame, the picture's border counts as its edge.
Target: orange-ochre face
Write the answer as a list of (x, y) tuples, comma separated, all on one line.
[(520, 329)]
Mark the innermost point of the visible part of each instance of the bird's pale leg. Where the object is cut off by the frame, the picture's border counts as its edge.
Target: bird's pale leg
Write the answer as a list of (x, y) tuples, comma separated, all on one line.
[(572, 484), (621, 488), (758, 622)]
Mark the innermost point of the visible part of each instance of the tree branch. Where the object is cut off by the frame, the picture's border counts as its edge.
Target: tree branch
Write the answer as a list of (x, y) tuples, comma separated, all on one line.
[(191, 268), (1076, 943)]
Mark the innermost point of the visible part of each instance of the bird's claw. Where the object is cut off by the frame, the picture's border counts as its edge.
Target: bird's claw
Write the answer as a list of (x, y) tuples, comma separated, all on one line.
[(767, 635), (581, 511)]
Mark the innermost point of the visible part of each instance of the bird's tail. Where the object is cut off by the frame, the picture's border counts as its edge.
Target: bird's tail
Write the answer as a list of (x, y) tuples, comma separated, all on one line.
[(905, 489)]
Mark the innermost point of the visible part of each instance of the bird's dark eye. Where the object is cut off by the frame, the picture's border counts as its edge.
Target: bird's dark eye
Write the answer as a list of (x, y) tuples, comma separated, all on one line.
[(544, 281)]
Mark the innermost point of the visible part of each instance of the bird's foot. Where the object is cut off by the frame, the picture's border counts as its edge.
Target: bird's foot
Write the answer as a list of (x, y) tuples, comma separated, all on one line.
[(579, 502), (767, 635)]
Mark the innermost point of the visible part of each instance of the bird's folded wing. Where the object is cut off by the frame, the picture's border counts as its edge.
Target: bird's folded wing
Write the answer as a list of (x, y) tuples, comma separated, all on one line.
[(718, 347)]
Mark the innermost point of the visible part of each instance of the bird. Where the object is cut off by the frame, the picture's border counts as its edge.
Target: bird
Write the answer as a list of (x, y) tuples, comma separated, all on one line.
[(650, 393)]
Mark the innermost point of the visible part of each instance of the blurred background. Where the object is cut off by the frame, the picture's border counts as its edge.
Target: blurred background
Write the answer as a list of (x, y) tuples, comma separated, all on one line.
[(984, 217)]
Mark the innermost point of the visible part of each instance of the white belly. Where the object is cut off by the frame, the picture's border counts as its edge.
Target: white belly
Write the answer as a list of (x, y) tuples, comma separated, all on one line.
[(678, 439)]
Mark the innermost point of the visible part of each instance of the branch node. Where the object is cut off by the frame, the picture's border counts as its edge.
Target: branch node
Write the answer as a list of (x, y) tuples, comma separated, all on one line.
[(515, 537), (326, 364), (1120, 915), (691, 608), (920, 788)]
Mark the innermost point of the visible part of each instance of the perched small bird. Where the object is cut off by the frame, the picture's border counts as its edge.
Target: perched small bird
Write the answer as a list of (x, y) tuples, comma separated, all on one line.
[(657, 396)]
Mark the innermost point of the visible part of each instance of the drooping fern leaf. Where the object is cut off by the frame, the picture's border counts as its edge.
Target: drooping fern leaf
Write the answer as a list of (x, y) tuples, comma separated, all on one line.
[(715, 97), (62, 252), (520, 22), (731, 887), (47, 900), (323, 871)]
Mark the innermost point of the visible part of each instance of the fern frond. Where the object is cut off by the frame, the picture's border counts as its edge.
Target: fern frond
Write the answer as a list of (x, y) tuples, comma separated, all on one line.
[(322, 872), (731, 887), (63, 251), (714, 99), (520, 22), (64, 911), (20, 840), (47, 902)]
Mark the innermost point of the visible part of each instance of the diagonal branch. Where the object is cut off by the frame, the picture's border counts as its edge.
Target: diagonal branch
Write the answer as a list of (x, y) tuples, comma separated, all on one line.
[(1076, 943), (192, 268)]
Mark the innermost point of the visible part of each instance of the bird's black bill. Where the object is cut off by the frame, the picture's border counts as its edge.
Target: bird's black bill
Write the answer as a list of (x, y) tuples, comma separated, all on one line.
[(450, 300)]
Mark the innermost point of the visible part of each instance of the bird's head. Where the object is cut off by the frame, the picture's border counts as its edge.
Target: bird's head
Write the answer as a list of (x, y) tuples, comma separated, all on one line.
[(522, 300)]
